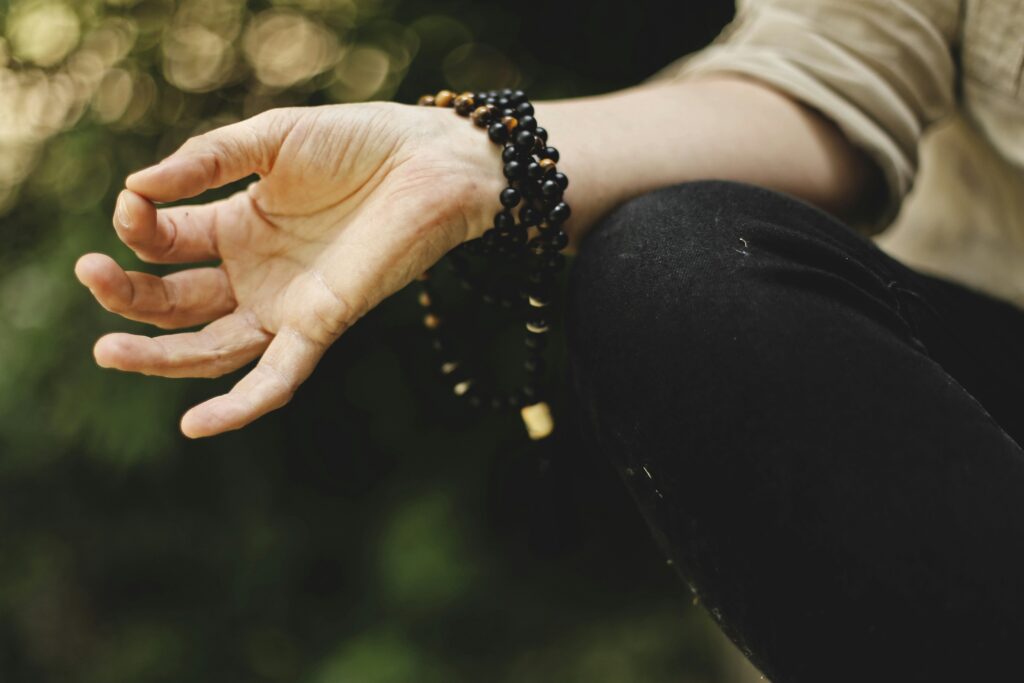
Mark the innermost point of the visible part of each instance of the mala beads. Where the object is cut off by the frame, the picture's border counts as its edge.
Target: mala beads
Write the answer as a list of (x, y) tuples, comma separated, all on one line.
[(526, 238)]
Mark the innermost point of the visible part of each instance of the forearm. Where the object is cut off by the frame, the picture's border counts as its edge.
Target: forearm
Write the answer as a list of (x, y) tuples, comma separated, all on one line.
[(617, 146)]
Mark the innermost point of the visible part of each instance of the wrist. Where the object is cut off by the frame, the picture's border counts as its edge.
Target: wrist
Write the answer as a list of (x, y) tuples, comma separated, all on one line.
[(468, 165)]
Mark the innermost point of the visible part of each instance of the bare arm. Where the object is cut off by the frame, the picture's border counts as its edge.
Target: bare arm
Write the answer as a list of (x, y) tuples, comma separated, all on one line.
[(617, 146)]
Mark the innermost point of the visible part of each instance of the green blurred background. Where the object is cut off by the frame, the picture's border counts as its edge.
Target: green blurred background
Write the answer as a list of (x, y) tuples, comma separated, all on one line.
[(369, 532)]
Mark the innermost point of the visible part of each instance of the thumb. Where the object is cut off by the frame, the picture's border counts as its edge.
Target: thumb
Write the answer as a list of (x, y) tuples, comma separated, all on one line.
[(216, 158)]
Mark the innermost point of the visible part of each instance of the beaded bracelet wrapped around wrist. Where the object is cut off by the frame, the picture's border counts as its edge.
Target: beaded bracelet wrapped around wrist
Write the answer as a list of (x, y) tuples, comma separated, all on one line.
[(532, 240)]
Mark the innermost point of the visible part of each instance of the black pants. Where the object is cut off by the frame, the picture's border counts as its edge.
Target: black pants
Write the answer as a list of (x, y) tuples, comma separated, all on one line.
[(823, 440)]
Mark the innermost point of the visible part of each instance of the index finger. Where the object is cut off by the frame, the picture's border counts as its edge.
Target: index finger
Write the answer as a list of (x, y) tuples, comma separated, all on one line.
[(214, 159)]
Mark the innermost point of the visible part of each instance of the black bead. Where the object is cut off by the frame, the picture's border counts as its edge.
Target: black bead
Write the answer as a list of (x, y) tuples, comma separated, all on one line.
[(549, 153), (509, 153), (550, 188), (490, 237), (528, 123), (524, 139), (536, 342), (559, 213), (508, 111), (525, 109), (538, 246), (537, 317), (529, 215), (534, 171), (501, 102), (505, 92), (560, 240), (490, 99), (517, 96), (497, 132), (534, 366), (519, 235), (514, 170), (539, 278), (529, 392), (561, 179), (503, 220), (542, 133), (510, 197), (554, 262)]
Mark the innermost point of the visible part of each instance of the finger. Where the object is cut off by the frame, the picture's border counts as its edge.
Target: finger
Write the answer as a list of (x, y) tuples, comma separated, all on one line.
[(181, 234), (224, 345), (213, 159), (287, 362), (182, 299)]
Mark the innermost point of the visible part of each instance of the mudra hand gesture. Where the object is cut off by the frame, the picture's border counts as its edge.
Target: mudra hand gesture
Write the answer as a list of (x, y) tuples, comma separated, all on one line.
[(353, 202)]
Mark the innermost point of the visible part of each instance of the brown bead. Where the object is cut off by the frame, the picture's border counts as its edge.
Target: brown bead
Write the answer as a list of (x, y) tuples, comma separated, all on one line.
[(444, 98), (481, 116), (431, 321), (461, 388), (424, 299), (426, 101), (510, 122), (464, 104), (547, 165)]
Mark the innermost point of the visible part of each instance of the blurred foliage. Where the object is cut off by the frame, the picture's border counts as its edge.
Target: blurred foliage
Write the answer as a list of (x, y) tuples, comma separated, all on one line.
[(371, 531)]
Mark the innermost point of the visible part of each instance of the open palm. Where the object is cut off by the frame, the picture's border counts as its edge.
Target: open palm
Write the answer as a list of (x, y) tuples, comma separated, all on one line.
[(352, 203)]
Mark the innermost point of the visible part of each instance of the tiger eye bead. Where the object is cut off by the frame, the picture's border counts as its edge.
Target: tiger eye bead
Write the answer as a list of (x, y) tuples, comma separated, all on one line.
[(481, 116), (464, 104), (444, 98), (426, 101), (547, 166), (510, 123), (431, 321)]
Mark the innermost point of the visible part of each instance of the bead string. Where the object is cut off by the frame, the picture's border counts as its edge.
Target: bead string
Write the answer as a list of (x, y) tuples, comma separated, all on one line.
[(530, 241)]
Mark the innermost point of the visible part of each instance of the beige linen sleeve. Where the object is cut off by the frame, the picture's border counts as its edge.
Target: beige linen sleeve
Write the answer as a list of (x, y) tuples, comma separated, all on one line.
[(881, 70)]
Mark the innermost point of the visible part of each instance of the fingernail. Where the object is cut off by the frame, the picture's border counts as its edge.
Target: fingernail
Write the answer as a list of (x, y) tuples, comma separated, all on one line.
[(122, 212)]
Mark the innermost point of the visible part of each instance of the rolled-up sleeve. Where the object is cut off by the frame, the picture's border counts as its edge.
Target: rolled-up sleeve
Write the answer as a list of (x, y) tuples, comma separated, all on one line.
[(881, 70)]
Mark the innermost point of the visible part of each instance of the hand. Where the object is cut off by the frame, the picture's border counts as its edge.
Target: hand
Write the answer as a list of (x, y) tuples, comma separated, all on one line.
[(353, 202)]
